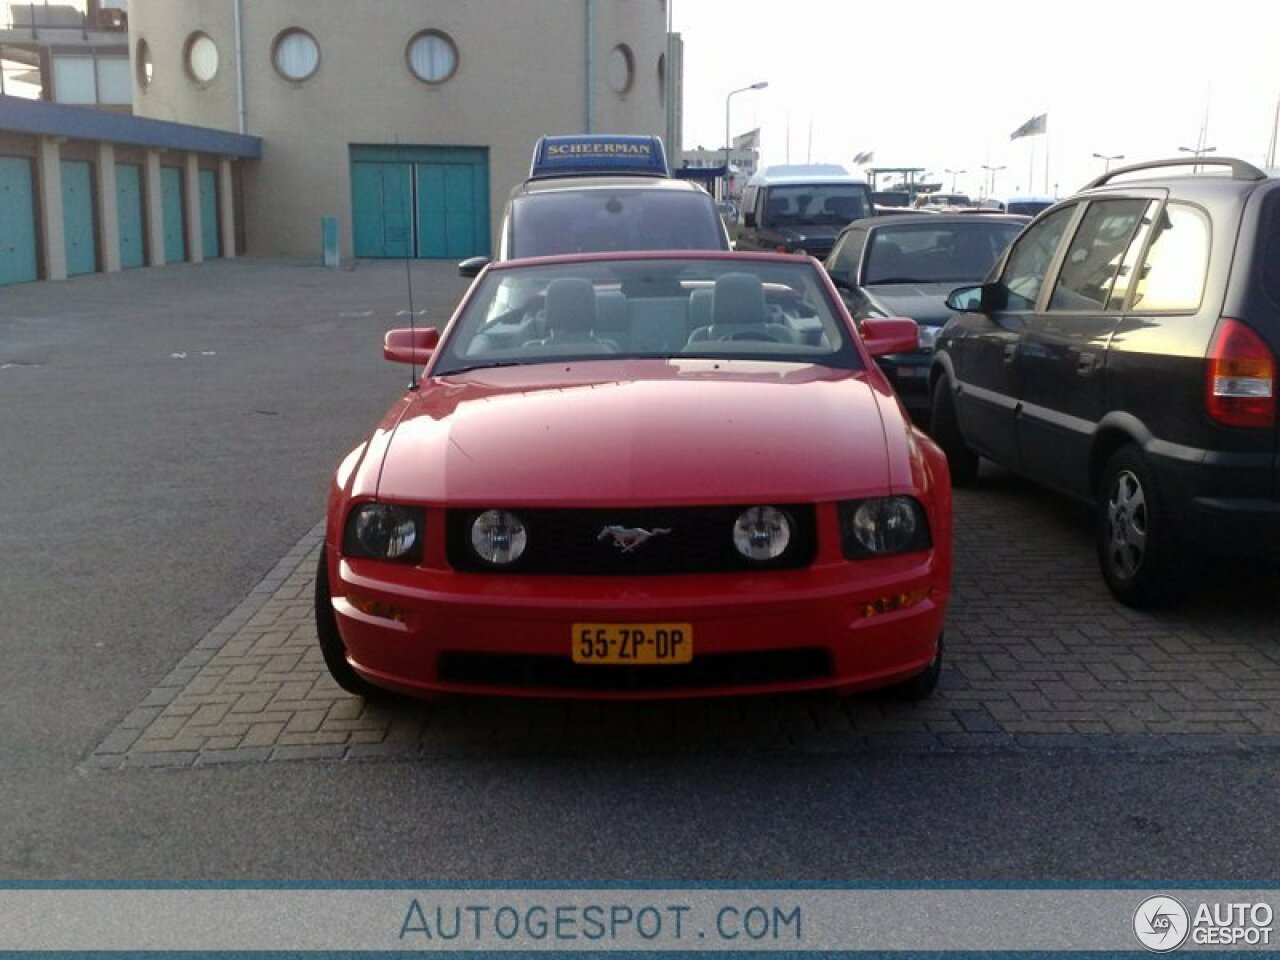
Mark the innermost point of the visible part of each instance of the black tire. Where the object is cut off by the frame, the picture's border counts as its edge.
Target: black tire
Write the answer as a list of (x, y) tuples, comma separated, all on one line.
[(923, 683), (1137, 549), (945, 430), (331, 645)]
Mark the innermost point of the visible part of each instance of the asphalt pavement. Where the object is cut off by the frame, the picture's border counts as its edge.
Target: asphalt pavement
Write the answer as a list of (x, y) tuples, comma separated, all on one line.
[(166, 437)]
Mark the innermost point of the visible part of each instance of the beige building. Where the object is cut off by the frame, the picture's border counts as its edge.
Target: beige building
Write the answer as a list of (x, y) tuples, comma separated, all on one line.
[(405, 121)]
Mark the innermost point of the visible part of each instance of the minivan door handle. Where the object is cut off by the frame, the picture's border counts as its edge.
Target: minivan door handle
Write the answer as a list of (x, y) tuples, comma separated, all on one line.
[(1086, 363), (1010, 352)]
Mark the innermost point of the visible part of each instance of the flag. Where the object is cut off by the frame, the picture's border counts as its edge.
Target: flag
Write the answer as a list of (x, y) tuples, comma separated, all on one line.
[(864, 158), (1033, 126)]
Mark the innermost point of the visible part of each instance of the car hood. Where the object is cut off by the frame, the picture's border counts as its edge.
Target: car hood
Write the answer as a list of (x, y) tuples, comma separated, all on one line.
[(924, 303), (665, 432)]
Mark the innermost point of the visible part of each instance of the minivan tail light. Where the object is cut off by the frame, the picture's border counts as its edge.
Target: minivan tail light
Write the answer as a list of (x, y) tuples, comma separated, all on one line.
[(1240, 377)]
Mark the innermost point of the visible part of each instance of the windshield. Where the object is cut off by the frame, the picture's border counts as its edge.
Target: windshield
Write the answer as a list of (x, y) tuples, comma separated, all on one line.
[(807, 204), (597, 220), (619, 309), (936, 253)]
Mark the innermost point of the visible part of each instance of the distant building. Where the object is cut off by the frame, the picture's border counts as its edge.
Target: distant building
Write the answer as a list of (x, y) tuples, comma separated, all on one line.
[(74, 52), (411, 123), (744, 160)]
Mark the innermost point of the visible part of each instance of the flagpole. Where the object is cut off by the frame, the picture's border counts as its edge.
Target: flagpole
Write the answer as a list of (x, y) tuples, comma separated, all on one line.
[(1046, 158)]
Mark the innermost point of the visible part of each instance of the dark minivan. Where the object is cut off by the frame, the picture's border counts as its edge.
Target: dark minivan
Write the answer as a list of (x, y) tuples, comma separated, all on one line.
[(800, 209), (1125, 354)]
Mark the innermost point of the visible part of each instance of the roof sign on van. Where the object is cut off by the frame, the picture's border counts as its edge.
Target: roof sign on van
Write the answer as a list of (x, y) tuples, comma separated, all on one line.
[(587, 154)]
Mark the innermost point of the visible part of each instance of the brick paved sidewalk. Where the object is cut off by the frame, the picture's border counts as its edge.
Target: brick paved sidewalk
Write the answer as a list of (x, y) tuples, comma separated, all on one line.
[(1039, 656)]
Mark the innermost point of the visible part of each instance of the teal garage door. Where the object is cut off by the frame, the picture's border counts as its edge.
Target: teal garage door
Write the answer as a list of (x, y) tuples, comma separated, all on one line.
[(175, 235), (209, 213), (430, 202), (18, 214), (77, 217), (129, 214)]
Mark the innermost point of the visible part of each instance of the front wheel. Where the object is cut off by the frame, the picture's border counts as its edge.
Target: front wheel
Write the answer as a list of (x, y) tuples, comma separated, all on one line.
[(1137, 549), (332, 648), (945, 430)]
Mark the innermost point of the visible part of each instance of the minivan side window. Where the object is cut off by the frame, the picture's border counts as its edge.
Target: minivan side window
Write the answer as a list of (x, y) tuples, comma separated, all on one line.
[(1030, 257), (1173, 274), (1095, 254)]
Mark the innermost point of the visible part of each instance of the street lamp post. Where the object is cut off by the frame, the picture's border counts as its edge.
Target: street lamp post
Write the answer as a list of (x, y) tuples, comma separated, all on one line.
[(728, 144), (1107, 158), (1197, 152), (991, 178), (954, 174)]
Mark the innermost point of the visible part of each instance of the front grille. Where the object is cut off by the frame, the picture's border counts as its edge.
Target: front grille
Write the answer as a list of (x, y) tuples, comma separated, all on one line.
[(528, 672), (569, 543)]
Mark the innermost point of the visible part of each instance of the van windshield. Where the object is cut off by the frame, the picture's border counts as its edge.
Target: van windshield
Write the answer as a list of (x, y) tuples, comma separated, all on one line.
[(806, 204), (597, 220)]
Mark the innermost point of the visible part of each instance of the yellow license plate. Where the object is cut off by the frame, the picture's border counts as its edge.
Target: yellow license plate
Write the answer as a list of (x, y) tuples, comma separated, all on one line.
[(632, 643)]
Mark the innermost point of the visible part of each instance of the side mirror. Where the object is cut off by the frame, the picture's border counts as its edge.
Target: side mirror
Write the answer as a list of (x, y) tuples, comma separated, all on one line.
[(406, 345), (748, 218), (840, 279), (884, 335), (968, 299), (472, 266)]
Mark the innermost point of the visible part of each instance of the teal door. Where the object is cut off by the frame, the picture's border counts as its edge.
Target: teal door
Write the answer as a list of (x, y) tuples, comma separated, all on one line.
[(175, 235), (18, 214), (129, 214), (419, 201), (446, 201), (209, 213), (384, 209), (77, 217)]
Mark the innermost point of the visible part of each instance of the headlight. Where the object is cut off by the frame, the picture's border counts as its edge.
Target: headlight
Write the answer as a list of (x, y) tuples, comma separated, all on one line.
[(762, 533), (498, 537), (883, 525), (384, 531)]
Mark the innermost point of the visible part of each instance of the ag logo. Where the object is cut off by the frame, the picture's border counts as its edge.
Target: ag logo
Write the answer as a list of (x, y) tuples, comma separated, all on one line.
[(1161, 924)]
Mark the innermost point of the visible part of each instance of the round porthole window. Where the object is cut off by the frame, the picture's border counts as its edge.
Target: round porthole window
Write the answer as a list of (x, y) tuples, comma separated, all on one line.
[(622, 68), (142, 64), (202, 58), (432, 56), (295, 54)]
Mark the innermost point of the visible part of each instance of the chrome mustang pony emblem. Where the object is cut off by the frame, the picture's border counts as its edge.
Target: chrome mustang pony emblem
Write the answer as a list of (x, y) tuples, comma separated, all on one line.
[(628, 539)]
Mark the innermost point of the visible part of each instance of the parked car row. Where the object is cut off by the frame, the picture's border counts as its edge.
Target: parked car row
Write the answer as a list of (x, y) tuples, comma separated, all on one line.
[(683, 473)]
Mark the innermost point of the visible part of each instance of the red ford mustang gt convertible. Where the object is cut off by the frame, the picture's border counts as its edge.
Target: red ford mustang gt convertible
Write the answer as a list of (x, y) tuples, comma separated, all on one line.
[(641, 475)]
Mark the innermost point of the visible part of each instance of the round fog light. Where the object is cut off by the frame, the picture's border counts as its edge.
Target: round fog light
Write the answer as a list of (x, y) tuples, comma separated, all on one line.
[(498, 537), (762, 533)]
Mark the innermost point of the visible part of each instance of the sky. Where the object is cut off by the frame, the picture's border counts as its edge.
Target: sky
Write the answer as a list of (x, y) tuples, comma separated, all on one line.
[(944, 88)]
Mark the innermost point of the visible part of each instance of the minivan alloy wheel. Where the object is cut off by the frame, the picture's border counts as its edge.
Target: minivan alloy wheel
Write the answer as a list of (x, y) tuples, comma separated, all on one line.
[(1127, 521), (1138, 548)]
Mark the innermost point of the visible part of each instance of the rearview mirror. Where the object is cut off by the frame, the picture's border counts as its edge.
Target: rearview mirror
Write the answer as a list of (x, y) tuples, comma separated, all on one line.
[(885, 335), (405, 345), (748, 218), (472, 266), (967, 299)]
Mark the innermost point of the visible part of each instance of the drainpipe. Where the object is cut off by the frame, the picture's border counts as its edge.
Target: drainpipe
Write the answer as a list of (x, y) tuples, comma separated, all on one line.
[(590, 10), (242, 123)]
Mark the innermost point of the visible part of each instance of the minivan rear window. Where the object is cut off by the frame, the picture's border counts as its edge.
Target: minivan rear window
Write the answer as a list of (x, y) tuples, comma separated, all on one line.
[(596, 220)]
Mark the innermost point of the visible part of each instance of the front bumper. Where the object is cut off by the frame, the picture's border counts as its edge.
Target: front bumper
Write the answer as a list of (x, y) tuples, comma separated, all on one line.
[(751, 633)]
